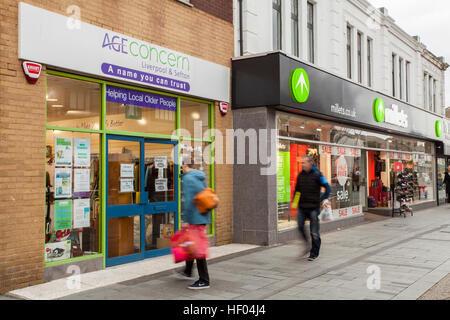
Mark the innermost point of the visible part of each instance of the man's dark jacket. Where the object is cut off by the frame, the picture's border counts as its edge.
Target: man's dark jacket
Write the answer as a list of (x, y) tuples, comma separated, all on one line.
[(309, 184)]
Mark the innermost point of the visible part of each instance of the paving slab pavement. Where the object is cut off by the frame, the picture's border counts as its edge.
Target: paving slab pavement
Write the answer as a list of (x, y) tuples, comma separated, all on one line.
[(395, 258)]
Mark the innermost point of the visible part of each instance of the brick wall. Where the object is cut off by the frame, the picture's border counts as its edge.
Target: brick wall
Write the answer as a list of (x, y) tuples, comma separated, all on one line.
[(224, 183), (22, 116), (222, 9)]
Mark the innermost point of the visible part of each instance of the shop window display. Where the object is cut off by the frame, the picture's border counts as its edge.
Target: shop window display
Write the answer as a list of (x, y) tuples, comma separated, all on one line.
[(194, 119), (199, 154), (384, 169), (343, 167), (72, 195), (72, 103), (441, 168)]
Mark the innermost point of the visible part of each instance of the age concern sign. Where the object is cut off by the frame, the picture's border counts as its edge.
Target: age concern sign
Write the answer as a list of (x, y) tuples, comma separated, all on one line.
[(47, 38)]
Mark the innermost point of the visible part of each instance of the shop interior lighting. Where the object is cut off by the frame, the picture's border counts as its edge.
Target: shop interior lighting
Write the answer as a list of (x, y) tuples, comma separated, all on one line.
[(78, 112), (195, 115), (57, 106), (50, 99), (142, 121)]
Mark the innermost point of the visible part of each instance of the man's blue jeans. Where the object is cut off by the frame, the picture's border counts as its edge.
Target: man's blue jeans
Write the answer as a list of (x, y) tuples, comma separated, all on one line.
[(313, 216)]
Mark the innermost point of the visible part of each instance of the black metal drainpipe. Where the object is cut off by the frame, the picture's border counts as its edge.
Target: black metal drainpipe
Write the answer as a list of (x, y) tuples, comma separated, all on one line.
[(241, 40)]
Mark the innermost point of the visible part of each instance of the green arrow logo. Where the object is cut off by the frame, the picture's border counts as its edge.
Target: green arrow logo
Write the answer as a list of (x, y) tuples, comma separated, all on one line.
[(438, 128), (299, 85), (379, 110)]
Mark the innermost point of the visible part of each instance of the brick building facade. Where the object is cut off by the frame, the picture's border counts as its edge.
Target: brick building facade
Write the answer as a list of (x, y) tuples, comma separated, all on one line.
[(203, 30)]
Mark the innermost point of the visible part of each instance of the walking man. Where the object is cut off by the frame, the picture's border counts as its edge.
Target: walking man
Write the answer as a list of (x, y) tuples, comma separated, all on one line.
[(447, 184), (193, 182), (309, 184)]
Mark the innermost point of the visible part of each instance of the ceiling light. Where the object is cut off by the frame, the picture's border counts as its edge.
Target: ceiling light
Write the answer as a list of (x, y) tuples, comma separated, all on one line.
[(319, 129), (78, 112), (52, 100), (142, 121), (195, 115), (57, 106)]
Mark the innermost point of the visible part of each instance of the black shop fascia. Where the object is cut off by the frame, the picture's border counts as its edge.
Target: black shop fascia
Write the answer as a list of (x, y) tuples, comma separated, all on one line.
[(276, 80)]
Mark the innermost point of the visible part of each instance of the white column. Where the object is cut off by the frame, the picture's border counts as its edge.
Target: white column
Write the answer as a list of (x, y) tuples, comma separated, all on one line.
[(303, 24), (286, 32)]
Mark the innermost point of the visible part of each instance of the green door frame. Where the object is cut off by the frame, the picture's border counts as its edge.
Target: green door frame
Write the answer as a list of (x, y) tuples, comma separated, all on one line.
[(103, 132)]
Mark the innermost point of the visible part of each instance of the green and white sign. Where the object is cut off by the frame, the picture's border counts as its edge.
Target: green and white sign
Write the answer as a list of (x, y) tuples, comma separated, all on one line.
[(379, 110), (393, 115), (63, 214), (438, 128), (299, 85), (284, 177)]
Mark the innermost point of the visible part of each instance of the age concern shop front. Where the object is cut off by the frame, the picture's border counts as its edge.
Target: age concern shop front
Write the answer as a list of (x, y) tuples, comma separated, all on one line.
[(114, 104), (360, 139)]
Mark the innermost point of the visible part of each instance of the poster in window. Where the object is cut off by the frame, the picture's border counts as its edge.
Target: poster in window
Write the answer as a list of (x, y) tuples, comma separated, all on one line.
[(82, 148), (160, 162), (81, 182), (81, 213), (63, 182), (160, 185), (63, 152), (63, 214), (56, 251), (126, 185), (127, 170)]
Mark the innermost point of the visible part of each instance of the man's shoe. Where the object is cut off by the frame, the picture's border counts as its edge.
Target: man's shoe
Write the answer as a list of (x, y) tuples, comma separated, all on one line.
[(198, 285), (183, 276), (312, 258)]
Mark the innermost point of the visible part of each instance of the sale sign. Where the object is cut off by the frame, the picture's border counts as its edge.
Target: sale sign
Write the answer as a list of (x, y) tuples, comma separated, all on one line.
[(341, 170), (340, 151), (398, 167)]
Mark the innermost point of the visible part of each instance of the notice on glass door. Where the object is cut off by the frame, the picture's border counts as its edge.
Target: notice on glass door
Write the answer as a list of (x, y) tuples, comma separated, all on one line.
[(161, 162), (160, 185), (82, 148), (127, 170), (126, 185), (63, 182), (63, 214), (63, 152), (81, 213)]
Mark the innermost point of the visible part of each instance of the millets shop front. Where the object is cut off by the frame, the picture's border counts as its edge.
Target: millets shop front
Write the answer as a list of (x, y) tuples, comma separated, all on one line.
[(360, 139)]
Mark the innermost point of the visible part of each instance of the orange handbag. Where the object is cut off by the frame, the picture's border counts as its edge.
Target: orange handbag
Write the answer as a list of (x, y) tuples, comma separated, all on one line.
[(206, 200)]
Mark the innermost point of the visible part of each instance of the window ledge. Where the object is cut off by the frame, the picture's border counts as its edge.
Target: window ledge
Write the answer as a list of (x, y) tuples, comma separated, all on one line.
[(186, 2)]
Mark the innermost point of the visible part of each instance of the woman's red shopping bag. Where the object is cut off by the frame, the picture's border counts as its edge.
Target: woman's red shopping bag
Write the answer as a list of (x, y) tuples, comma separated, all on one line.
[(189, 243), (200, 249)]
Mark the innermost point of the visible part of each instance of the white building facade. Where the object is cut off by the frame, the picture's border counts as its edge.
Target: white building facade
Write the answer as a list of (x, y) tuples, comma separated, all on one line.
[(339, 82), (349, 38)]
